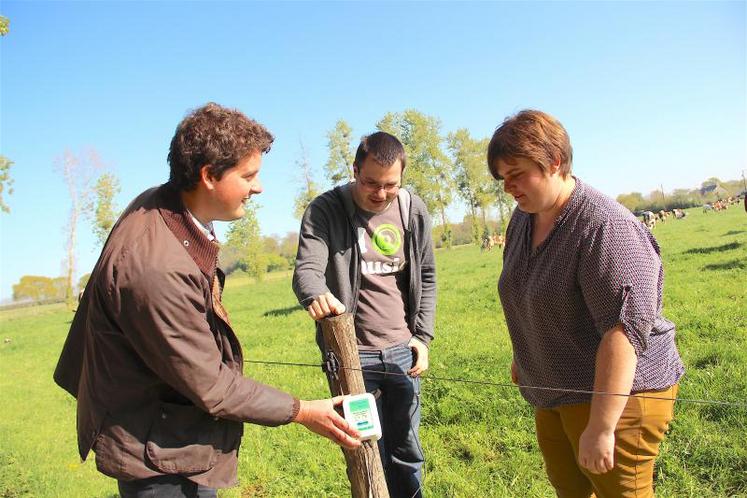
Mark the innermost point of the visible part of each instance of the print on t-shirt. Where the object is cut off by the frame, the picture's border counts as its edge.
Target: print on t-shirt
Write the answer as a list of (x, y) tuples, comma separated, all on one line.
[(380, 319), (386, 240)]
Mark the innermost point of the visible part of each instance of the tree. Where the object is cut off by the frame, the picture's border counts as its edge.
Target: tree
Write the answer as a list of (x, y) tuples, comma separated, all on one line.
[(710, 181), (83, 281), (4, 25), (288, 247), (6, 182), (309, 189), (77, 173), (101, 209), (428, 167), (245, 238), (501, 200), (633, 201), (39, 288), (339, 165), (473, 183)]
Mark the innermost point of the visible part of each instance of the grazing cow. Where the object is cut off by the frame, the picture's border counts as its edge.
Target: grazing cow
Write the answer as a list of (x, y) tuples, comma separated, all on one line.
[(679, 214), (707, 207), (492, 240), (649, 219), (499, 240), (487, 244)]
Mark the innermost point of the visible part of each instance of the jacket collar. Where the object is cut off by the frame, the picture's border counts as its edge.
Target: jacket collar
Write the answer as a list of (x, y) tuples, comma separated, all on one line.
[(404, 196), (203, 251)]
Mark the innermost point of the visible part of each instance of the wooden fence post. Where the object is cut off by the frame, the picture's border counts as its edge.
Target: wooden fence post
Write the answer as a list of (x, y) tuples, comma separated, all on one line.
[(364, 464)]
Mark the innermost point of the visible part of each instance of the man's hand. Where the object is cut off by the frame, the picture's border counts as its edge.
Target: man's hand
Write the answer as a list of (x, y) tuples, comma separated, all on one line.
[(325, 305), (596, 450), (421, 357), (320, 416), (514, 373)]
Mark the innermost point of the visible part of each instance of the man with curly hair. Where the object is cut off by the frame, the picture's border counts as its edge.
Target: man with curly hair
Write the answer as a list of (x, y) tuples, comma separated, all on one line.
[(151, 356)]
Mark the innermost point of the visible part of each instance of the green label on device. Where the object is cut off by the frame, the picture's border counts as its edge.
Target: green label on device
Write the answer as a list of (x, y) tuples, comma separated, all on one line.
[(360, 411), (359, 405)]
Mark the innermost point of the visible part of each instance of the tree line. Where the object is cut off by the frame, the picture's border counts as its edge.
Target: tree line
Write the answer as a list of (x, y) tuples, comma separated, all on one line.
[(440, 168), (709, 191), (92, 188)]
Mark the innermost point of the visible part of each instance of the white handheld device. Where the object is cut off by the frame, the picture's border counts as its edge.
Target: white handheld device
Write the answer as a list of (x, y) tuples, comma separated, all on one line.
[(360, 412)]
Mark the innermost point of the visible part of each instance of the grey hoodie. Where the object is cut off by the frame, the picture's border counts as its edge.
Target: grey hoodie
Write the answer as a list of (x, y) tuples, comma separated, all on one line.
[(328, 258)]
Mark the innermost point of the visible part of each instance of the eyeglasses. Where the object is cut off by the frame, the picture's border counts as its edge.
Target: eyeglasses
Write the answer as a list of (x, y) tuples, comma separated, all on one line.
[(387, 187)]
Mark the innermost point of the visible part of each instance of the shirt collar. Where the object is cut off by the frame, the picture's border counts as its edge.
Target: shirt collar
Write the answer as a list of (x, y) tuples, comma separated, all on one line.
[(203, 251), (206, 228)]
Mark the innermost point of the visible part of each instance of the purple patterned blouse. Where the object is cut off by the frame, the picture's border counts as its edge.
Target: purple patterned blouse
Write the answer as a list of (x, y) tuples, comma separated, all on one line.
[(599, 266)]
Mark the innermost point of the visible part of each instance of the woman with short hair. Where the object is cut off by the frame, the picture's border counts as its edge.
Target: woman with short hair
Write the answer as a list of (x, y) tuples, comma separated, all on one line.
[(581, 289)]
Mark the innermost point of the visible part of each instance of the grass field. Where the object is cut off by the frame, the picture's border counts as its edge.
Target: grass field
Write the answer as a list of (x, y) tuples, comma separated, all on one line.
[(479, 441)]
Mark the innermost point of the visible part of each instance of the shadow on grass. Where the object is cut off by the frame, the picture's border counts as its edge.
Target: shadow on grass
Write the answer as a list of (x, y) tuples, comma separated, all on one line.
[(708, 250), (733, 232), (735, 264), (710, 360), (283, 311)]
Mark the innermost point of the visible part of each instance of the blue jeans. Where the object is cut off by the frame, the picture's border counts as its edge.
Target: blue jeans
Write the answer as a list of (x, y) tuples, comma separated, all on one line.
[(399, 412), (167, 486)]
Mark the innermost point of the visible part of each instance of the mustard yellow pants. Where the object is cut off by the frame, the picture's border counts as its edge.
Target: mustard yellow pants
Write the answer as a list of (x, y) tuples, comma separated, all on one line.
[(638, 435)]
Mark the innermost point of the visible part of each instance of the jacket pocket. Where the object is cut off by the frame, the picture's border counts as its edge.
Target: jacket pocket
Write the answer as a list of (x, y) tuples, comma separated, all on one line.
[(183, 440)]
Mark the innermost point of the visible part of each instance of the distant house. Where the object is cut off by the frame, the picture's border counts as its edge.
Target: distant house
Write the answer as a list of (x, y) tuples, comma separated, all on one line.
[(714, 188)]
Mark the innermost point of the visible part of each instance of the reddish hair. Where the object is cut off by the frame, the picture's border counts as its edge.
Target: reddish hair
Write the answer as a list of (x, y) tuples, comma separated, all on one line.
[(533, 135)]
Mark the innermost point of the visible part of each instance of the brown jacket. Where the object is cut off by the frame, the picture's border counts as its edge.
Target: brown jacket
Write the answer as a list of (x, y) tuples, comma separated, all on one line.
[(151, 356)]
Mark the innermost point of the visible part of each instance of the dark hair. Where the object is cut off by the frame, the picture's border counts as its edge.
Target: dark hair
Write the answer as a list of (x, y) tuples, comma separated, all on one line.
[(533, 135), (214, 136), (386, 150)]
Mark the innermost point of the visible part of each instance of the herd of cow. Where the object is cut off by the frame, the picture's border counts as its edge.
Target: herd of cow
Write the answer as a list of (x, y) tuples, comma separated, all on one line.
[(720, 204), (650, 219)]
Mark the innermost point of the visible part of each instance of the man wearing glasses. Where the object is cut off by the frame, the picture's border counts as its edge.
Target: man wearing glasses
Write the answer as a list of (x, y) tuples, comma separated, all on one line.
[(366, 248)]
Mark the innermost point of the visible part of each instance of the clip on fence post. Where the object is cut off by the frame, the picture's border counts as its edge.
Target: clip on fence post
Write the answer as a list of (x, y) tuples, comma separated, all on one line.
[(331, 365), (343, 369)]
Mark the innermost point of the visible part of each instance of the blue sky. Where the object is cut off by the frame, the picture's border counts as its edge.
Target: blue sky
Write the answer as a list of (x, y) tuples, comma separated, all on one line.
[(651, 92)]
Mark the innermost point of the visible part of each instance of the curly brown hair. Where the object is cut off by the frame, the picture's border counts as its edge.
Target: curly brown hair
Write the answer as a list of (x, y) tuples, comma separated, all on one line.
[(534, 135), (213, 136)]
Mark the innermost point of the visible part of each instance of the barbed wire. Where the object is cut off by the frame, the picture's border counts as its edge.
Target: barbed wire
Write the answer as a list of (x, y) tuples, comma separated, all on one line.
[(733, 404)]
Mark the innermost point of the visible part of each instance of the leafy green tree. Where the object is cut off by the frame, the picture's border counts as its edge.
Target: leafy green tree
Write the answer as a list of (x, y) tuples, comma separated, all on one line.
[(6, 182), (101, 209), (309, 189), (288, 247), (473, 183), (501, 201), (428, 170), (711, 181), (339, 165), (39, 288), (633, 201), (245, 238), (655, 201), (4, 25)]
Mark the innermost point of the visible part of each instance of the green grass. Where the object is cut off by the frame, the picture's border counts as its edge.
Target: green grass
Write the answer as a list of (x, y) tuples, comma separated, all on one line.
[(479, 441)]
